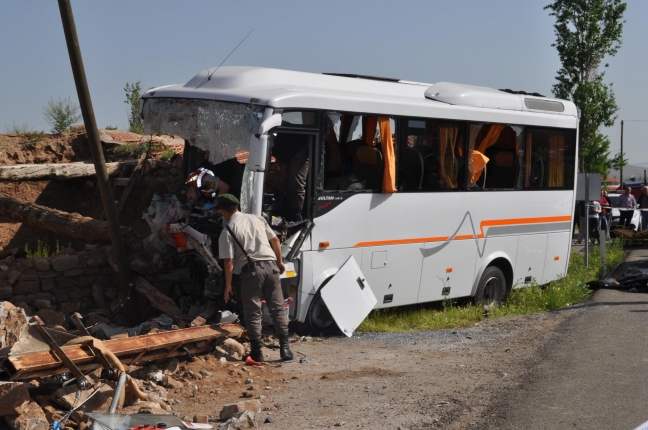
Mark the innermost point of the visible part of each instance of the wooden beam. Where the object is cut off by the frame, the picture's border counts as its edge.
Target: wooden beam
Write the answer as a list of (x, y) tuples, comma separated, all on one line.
[(32, 172), (64, 223), (131, 350)]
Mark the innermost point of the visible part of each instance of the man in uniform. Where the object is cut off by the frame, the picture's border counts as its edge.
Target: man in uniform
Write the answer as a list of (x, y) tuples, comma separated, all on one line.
[(249, 246)]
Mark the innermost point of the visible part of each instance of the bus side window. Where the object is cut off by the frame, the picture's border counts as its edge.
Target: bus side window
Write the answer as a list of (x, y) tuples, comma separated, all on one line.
[(549, 159), (355, 154), (494, 161), (431, 155)]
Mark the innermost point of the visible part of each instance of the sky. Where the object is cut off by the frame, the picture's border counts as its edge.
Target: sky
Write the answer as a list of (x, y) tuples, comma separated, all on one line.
[(495, 43)]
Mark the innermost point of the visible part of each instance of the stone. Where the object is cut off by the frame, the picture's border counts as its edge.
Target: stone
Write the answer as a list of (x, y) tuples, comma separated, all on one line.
[(12, 319), (111, 293), (247, 394), (170, 367), (41, 264), (206, 373), (70, 307), (13, 276), (72, 273), (51, 318), (12, 396), (8, 260), (75, 294), (99, 297), (26, 263), (43, 304), (48, 284), (242, 421), (4, 267), (63, 263), (26, 287), (62, 296), (86, 292), (32, 417), (232, 346), (93, 271), (86, 280), (83, 263), (48, 274), (100, 402), (172, 383), (6, 292), (96, 258), (201, 418), (42, 296), (25, 307), (66, 283), (29, 275), (232, 409)]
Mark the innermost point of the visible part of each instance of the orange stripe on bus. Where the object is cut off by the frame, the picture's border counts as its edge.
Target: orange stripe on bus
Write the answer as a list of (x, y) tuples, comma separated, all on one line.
[(480, 235)]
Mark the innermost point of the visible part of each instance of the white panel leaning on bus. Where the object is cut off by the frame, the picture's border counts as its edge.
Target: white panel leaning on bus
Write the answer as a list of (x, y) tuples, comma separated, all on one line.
[(423, 191)]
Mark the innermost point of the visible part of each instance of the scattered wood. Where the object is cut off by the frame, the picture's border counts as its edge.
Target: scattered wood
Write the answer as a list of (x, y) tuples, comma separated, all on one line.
[(160, 301), (31, 172), (64, 223), (132, 350)]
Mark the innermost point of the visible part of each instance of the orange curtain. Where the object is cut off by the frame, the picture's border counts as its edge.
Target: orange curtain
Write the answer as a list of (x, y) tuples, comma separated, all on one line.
[(389, 176), (448, 141), (369, 129), (556, 160), (478, 158)]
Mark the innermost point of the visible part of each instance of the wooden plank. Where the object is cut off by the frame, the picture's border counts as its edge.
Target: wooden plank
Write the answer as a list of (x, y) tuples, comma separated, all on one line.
[(155, 346), (31, 172)]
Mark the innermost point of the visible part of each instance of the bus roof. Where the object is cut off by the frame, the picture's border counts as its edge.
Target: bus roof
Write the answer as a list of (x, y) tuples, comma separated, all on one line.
[(286, 89)]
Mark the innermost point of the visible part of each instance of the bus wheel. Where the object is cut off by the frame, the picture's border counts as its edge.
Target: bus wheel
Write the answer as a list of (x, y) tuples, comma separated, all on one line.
[(492, 287), (319, 318)]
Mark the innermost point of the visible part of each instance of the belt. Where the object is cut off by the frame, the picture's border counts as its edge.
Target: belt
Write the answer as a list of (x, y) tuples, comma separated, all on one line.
[(266, 262)]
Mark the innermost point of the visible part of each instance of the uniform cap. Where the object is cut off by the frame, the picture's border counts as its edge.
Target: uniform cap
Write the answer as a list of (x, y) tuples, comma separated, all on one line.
[(227, 199)]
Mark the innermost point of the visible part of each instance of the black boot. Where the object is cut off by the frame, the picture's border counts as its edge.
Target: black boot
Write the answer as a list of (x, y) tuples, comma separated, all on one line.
[(284, 348), (256, 353)]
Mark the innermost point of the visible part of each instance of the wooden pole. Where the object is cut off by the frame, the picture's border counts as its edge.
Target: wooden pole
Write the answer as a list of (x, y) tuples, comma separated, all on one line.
[(76, 61)]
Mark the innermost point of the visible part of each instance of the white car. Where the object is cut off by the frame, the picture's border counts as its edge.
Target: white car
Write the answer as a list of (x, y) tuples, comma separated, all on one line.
[(635, 222)]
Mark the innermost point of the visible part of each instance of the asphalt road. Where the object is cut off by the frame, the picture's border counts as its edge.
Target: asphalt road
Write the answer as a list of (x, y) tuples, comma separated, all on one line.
[(594, 372)]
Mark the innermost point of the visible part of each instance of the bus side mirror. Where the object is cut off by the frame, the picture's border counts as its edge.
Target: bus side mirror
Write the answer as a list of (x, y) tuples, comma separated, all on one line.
[(259, 144)]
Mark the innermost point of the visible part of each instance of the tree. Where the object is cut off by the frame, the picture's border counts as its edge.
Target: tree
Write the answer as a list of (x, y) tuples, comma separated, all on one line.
[(588, 31), (618, 162), (133, 98), (61, 114)]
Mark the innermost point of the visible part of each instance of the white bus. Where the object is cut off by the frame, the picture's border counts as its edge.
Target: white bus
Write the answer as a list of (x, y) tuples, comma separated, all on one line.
[(412, 192)]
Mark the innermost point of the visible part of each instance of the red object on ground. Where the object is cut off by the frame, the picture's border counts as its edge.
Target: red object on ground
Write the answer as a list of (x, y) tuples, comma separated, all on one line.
[(250, 362)]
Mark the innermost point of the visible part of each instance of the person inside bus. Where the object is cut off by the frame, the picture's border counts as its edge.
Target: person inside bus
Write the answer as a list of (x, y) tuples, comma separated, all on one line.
[(292, 150)]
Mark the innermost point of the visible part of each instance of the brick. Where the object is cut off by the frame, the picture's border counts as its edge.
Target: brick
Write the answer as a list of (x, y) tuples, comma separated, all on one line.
[(66, 283), (72, 273), (27, 287)]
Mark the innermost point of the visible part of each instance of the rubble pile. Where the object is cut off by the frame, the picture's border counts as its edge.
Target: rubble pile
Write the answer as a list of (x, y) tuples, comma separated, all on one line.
[(55, 287)]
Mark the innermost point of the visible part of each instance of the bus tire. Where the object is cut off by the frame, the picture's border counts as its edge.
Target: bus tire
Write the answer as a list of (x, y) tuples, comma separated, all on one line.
[(492, 287), (319, 320)]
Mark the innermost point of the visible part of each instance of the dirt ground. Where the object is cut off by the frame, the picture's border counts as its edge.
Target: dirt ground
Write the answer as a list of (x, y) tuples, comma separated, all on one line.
[(435, 379)]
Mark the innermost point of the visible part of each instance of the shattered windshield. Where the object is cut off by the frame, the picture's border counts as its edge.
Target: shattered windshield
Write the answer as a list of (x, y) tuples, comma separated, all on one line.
[(221, 128)]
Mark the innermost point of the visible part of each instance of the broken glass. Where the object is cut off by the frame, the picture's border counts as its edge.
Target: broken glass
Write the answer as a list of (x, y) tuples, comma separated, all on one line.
[(221, 128)]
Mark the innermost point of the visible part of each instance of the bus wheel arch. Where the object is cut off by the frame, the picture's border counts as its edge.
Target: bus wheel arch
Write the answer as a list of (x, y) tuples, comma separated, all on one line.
[(495, 282), (318, 319)]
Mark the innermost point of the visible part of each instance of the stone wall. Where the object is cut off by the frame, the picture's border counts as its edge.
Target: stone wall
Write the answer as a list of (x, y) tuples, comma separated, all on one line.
[(57, 286)]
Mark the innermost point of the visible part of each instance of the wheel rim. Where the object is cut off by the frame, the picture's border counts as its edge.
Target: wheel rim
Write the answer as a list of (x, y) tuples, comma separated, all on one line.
[(320, 317), (493, 290)]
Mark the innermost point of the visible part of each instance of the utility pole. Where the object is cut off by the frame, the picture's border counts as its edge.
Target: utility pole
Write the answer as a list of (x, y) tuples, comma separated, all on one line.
[(621, 171), (93, 141)]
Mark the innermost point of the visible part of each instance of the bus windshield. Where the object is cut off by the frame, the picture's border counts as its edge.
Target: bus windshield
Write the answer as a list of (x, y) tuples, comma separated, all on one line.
[(220, 128)]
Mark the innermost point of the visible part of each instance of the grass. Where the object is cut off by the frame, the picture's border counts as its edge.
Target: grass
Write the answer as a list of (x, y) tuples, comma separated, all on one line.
[(136, 149), (567, 291)]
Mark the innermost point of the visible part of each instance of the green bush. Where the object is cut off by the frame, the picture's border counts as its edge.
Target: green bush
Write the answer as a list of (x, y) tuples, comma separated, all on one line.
[(167, 155), (23, 128), (133, 99), (61, 114)]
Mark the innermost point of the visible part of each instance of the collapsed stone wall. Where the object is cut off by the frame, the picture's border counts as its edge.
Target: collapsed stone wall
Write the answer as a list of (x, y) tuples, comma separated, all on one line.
[(55, 287)]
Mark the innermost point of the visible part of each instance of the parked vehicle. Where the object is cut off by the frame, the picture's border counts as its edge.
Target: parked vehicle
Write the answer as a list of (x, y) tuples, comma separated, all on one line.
[(414, 192)]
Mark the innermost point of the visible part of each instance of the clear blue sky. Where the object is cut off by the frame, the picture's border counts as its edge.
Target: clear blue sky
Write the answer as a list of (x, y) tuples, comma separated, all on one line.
[(501, 44)]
